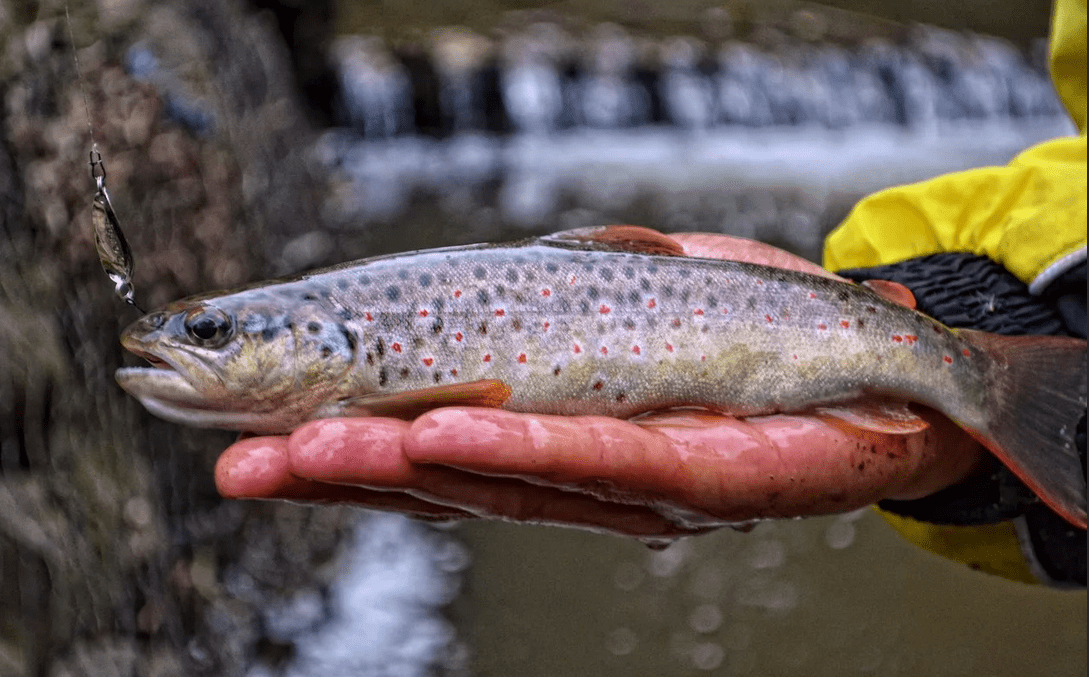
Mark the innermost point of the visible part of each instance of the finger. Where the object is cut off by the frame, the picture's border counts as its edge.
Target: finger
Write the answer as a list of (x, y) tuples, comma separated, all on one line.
[(368, 452), (259, 468), (714, 246), (731, 469)]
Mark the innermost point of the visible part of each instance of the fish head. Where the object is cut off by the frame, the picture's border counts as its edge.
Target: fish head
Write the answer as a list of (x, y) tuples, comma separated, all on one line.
[(248, 361)]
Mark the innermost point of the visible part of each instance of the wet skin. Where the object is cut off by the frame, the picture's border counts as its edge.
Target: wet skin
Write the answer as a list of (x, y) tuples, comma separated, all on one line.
[(663, 476)]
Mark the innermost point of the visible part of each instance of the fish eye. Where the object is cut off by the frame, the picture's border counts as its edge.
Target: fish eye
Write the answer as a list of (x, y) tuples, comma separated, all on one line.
[(209, 327)]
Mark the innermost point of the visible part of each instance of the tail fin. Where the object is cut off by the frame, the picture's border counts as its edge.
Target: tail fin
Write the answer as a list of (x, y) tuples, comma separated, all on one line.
[(1041, 398)]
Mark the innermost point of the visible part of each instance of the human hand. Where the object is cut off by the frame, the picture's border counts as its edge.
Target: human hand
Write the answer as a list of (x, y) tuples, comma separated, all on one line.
[(662, 476)]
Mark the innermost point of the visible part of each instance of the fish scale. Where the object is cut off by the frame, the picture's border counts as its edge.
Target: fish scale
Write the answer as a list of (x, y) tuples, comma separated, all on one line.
[(606, 327)]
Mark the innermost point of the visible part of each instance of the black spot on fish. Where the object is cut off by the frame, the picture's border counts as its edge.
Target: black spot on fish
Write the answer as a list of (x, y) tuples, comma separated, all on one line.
[(618, 297), (634, 297), (393, 293), (425, 280), (860, 323), (607, 274), (556, 370), (843, 295), (652, 269), (621, 397), (313, 327), (418, 342), (512, 276), (644, 284), (500, 291), (629, 324), (342, 284), (349, 338), (363, 280), (667, 291), (326, 351), (383, 376), (751, 302), (529, 276), (551, 267), (686, 295), (405, 372), (437, 376), (344, 314), (712, 302), (370, 358), (309, 297), (584, 307), (629, 272), (482, 297), (599, 385), (684, 273), (436, 326), (516, 324), (402, 274), (592, 293), (480, 272), (380, 348), (483, 328), (709, 282)]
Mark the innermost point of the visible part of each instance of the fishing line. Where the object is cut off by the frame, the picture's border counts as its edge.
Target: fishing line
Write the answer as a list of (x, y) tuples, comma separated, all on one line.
[(113, 250)]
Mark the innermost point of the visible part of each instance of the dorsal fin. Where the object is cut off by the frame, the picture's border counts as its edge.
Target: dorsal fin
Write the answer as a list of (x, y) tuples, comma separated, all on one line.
[(635, 239), (891, 291), (409, 404)]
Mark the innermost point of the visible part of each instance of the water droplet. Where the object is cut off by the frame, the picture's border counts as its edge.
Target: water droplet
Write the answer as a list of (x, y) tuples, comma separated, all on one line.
[(767, 555), (705, 618), (839, 534), (707, 656), (621, 642), (628, 576)]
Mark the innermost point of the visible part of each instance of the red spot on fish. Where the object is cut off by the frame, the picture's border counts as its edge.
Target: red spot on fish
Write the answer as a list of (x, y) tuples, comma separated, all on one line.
[(423, 313), (546, 292), (966, 352), (604, 309), (845, 324), (676, 322), (522, 358), (457, 293), (458, 336), (697, 311), (669, 347), (948, 360), (573, 278), (759, 282), (370, 318), (871, 309), (604, 350), (488, 358), (795, 357), (546, 326), (897, 338), (768, 318), (428, 361), (912, 339), (396, 347), (500, 313), (812, 295), (822, 327), (635, 349), (703, 358), (651, 303), (453, 372), (599, 385), (578, 349), (937, 329), (725, 311)]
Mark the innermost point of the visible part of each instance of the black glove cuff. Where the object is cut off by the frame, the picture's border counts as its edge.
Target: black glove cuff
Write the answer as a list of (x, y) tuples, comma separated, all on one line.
[(965, 290)]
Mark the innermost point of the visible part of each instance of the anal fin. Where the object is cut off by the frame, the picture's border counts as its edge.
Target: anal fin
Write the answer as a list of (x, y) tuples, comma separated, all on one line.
[(409, 404), (885, 417)]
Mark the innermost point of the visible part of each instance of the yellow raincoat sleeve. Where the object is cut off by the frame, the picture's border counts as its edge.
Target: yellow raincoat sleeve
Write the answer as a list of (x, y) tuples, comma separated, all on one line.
[(1029, 216)]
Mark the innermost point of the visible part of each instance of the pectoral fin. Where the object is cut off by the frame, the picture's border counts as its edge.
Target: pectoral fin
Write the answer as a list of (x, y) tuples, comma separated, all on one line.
[(891, 291), (409, 404)]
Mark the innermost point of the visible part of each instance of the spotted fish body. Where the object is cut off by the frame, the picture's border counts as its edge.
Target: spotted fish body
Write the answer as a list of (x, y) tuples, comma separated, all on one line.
[(569, 328)]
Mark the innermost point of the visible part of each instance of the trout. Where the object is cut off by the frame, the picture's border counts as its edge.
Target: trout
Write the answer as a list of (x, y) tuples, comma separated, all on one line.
[(613, 322)]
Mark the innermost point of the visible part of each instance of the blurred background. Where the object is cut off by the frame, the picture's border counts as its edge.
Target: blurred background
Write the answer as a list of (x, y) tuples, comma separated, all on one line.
[(246, 139)]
